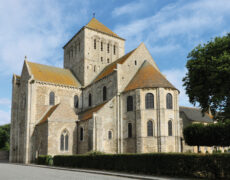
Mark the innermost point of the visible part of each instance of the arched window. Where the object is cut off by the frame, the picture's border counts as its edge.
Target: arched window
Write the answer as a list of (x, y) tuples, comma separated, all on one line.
[(149, 101), (102, 59), (104, 93), (129, 103), (76, 101), (95, 68), (169, 101), (150, 128), (108, 60), (107, 48), (135, 62), (90, 100), (95, 44), (114, 49), (52, 98), (110, 135), (101, 46), (170, 128), (64, 144), (81, 134), (129, 130)]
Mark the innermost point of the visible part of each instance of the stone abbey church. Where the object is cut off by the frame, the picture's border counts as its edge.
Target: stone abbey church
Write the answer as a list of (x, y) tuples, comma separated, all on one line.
[(102, 100)]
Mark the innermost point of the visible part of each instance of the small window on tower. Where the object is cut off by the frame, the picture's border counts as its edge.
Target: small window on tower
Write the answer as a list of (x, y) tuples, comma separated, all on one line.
[(108, 48), (101, 46), (108, 60), (102, 59), (135, 62), (114, 49), (95, 44)]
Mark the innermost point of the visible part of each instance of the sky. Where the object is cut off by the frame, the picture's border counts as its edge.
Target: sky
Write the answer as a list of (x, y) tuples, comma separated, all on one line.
[(170, 29)]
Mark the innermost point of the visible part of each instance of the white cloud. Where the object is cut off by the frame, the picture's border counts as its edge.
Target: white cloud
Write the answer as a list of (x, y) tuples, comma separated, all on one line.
[(5, 102), (175, 76), (37, 29), (129, 8), (4, 117), (179, 21)]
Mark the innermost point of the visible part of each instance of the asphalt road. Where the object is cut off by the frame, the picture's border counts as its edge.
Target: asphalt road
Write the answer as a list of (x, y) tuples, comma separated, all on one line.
[(20, 172)]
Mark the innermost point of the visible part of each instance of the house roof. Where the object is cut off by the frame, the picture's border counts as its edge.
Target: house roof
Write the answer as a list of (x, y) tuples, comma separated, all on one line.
[(88, 114), (148, 77), (48, 114), (195, 114), (52, 74), (110, 68), (98, 26)]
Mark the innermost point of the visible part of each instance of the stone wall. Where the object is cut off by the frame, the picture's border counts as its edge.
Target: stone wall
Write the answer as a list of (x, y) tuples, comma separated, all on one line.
[(4, 155)]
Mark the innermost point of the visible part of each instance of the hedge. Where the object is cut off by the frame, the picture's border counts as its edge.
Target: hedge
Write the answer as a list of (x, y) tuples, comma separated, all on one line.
[(45, 160), (208, 135), (170, 164)]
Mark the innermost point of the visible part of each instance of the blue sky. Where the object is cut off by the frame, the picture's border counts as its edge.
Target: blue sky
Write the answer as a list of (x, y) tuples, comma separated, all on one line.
[(170, 29)]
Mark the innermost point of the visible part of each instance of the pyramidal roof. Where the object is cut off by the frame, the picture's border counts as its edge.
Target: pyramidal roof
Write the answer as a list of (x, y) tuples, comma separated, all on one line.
[(148, 77), (98, 26)]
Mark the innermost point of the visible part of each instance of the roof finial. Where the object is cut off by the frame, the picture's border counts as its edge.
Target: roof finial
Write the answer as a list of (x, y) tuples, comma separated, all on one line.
[(94, 14), (25, 58)]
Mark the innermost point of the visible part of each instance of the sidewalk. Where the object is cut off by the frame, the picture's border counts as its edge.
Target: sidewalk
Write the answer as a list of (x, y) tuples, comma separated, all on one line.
[(101, 172)]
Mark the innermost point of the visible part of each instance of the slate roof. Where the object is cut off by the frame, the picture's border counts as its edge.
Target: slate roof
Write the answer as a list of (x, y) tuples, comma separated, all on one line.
[(48, 114), (148, 77), (88, 114), (98, 26), (195, 114), (110, 68), (52, 74)]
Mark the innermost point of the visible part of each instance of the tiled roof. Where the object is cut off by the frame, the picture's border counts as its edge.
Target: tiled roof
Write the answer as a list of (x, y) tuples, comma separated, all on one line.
[(98, 26), (88, 114), (52, 74), (48, 114), (146, 77), (195, 114), (110, 68)]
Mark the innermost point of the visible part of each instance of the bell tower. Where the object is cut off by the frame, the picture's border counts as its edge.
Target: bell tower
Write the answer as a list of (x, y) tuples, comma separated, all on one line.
[(92, 49)]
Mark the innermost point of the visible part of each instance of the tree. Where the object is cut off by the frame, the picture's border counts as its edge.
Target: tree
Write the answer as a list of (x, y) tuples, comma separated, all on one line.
[(5, 136), (208, 79)]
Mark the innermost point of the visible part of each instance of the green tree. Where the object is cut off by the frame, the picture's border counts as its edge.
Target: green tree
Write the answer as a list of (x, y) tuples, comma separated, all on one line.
[(5, 136), (208, 79)]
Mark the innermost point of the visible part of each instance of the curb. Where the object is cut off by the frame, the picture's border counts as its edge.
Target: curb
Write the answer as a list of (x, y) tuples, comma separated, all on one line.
[(116, 174)]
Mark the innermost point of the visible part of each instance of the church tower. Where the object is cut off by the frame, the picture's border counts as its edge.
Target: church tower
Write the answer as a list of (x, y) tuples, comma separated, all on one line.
[(93, 48)]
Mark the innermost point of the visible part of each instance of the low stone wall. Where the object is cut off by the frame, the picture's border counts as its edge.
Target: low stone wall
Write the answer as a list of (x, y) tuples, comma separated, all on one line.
[(4, 155)]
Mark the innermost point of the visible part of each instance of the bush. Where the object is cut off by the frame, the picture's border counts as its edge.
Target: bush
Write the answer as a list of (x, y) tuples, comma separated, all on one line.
[(45, 160), (208, 135), (183, 165)]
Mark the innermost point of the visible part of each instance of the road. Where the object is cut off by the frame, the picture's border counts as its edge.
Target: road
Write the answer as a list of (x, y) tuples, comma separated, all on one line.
[(20, 172)]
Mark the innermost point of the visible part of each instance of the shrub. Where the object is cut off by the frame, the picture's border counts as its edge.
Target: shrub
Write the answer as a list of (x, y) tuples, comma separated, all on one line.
[(183, 165), (45, 160)]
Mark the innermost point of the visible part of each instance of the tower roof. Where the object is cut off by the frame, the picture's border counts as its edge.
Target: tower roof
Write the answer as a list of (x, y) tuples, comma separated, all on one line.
[(52, 74), (148, 77), (98, 26)]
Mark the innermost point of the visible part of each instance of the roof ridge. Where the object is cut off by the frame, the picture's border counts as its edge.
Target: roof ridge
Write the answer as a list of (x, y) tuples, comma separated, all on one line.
[(47, 65)]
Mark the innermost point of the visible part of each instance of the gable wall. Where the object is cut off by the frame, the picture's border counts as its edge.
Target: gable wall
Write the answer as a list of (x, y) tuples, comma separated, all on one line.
[(128, 69)]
